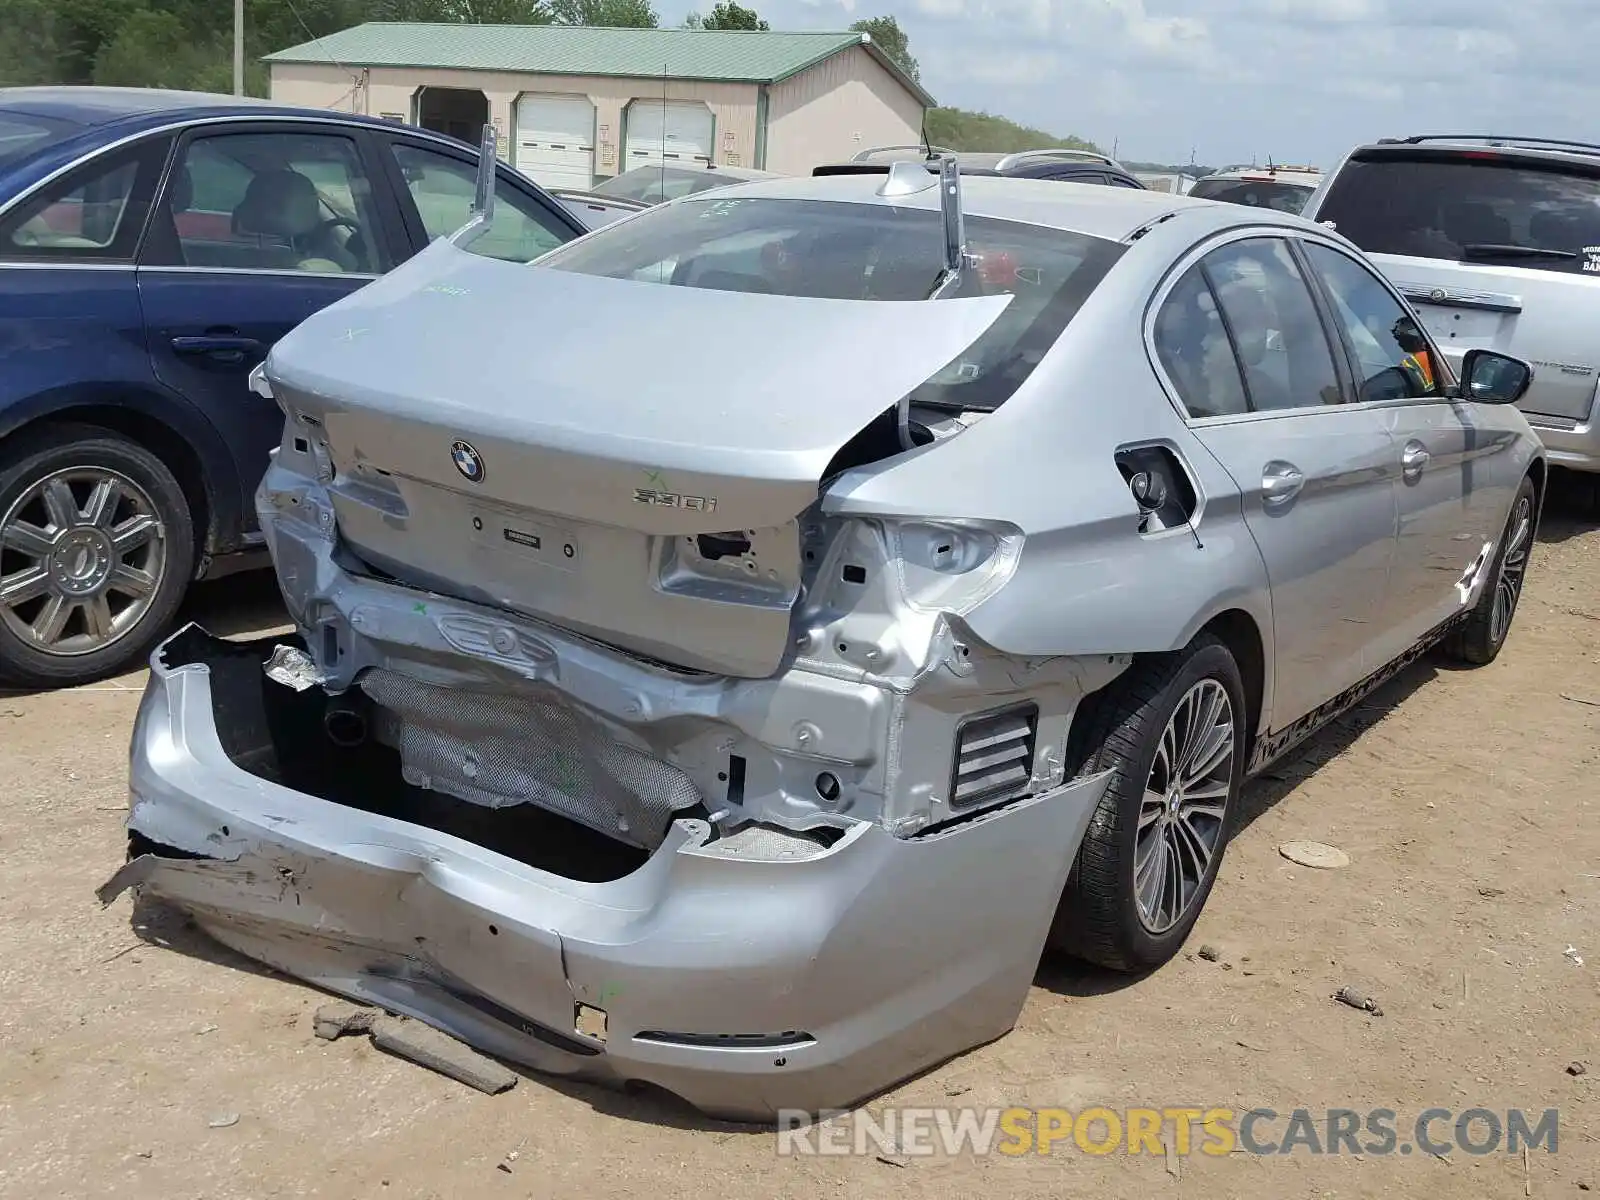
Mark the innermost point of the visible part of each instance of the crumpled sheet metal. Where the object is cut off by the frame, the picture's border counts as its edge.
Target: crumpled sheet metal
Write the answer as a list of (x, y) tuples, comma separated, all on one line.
[(532, 746)]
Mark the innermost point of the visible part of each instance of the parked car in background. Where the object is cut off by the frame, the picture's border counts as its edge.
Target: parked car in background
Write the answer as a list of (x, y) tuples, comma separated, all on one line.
[(642, 187), (750, 730), (888, 154), (595, 210), (1286, 189), (1068, 166), (1497, 243), (153, 247)]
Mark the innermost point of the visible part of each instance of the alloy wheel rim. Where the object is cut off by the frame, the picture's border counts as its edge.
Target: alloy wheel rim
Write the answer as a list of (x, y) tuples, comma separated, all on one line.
[(82, 557), (1184, 807), (1513, 568)]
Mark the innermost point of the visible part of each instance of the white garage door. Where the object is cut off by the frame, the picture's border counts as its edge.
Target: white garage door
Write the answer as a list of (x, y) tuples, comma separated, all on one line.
[(678, 131), (555, 140)]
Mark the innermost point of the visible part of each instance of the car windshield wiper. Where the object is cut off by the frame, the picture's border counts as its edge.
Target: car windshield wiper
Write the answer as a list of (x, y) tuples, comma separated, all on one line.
[(1507, 250)]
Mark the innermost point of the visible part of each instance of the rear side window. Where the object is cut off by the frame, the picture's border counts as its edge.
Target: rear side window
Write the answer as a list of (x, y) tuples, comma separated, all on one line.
[(845, 251), (1470, 210), (1192, 343), (95, 213)]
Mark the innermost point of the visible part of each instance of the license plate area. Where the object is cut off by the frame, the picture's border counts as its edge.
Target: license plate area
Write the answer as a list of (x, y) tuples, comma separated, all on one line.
[(540, 542), (1451, 323)]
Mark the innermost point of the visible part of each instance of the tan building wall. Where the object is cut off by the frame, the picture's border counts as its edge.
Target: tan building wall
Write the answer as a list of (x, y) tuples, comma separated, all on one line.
[(843, 104), (389, 91)]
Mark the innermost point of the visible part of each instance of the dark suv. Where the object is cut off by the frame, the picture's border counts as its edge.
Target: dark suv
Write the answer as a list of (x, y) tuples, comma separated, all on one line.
[(1071, 166)]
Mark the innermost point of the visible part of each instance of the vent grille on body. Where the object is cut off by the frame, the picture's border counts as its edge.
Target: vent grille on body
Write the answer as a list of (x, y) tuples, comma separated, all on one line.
[(994, 755)]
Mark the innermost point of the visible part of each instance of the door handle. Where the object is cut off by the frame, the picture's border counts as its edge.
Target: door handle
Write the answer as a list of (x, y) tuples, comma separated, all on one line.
[(1413, 458), (222, 347), (1280, 483)]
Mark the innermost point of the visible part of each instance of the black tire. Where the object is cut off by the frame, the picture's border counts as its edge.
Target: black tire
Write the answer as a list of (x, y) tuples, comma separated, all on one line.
[(136, 621), (1479, 641), (1099, 918)]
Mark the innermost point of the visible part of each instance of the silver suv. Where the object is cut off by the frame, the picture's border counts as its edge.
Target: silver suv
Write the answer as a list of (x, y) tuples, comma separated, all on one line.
[(1496, 241)]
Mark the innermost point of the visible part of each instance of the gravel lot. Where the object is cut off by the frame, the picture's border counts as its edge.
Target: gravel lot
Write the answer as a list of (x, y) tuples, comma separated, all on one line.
[(1466, 800)]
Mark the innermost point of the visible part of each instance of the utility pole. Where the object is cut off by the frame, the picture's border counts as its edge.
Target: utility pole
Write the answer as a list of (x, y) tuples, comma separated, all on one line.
[(238, 47)]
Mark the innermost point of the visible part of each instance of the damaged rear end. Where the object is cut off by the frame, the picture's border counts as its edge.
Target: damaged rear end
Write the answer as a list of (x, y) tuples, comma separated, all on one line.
[(604, 744)]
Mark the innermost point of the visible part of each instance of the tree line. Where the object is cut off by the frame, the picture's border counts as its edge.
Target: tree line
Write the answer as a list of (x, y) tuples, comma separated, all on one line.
[(188, 44)]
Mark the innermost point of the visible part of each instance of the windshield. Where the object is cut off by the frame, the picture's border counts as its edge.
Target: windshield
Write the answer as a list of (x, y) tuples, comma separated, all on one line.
[(655, 184), (1474, 210), (845, 251), (22, 135), (1283, 197)]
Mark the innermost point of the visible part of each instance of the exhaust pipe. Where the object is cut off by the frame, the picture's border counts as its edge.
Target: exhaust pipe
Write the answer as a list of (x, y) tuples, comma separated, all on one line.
[(345, 720)]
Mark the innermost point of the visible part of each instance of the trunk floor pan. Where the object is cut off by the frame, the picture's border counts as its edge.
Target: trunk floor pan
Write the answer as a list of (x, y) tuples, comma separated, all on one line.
[(276, 734)]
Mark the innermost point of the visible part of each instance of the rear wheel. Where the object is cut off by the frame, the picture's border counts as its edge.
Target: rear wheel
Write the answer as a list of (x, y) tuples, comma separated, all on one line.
[(1481, 639), (96, 549), (1172, 732)]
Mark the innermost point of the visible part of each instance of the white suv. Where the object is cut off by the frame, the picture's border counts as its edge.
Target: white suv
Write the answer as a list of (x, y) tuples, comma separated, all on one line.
[(1496, 242), (1283, 188)]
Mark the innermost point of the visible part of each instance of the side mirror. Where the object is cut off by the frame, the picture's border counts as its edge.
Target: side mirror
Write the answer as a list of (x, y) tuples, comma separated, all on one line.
[(1489, 377)]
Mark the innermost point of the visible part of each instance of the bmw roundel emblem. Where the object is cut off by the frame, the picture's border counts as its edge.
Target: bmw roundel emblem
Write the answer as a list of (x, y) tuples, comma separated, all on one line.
[(467, 460)]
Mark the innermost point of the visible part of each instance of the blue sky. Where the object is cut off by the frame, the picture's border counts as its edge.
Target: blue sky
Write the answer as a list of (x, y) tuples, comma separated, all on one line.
[(1300, 80)]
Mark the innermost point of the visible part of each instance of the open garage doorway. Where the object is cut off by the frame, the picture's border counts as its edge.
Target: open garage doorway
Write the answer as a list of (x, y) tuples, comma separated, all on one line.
[(459, 112)]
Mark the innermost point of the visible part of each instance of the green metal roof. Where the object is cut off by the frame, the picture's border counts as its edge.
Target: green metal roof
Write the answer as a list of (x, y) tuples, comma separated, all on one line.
[(719, 55)]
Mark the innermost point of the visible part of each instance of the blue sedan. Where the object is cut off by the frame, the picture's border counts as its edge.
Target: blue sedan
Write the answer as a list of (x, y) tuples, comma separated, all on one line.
[(153, 246)]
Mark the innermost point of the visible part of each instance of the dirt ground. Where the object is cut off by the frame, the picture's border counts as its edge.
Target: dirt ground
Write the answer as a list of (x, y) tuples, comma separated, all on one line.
[(1466, 800)]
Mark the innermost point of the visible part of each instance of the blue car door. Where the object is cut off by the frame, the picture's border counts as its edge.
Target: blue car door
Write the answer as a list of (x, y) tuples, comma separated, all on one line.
[(258, 225)]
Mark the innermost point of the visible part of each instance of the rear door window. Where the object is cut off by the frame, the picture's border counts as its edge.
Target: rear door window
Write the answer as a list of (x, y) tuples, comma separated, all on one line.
[(282, 201), (1277, 334), (1487, 209)]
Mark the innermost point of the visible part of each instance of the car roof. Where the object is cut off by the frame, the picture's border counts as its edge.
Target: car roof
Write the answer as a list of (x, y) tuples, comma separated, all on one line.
[(1088, 208), (1446, 144), (91, 107), (1268, 174)]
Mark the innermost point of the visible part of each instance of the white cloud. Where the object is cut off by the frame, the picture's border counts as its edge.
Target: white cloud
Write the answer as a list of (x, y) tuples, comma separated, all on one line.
[(1294, 79)]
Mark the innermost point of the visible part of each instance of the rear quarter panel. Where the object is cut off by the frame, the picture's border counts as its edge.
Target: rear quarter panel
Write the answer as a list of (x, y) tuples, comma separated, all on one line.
[(1089, 582)]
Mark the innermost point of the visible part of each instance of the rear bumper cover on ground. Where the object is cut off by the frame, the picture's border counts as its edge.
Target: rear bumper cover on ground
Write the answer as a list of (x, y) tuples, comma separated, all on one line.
[(743, 985)]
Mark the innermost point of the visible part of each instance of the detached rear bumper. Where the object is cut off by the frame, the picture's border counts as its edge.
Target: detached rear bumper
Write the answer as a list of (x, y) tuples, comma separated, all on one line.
[(741, 981)]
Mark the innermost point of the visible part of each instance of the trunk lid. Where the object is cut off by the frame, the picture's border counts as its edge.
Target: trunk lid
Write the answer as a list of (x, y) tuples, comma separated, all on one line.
[(557, 443)]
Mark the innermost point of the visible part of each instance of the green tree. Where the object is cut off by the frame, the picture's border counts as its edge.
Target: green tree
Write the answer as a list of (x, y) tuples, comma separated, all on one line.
[(729, 14), (623, 14), (472, 12), (887, 35), (959, 129), (154, 49), (189, 43)]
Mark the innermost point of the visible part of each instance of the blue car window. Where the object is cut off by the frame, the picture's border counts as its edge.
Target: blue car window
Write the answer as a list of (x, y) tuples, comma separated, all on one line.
[(443, 188), (275, 201), (95, 213)]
